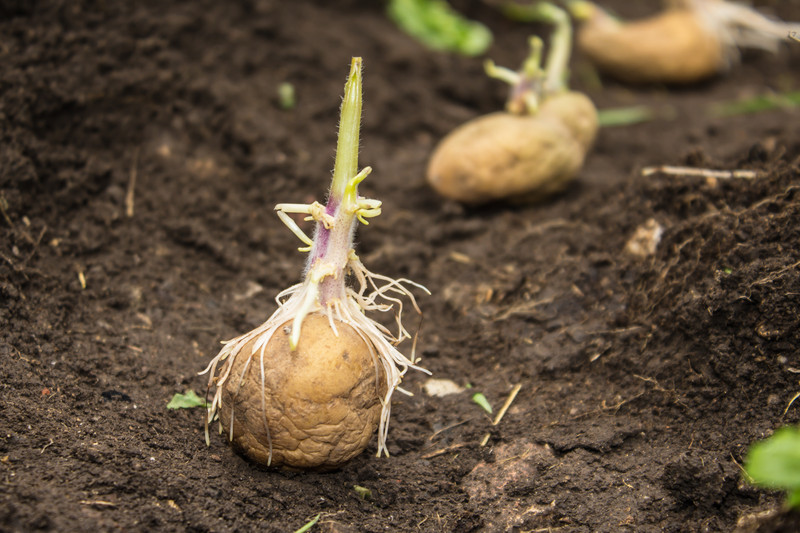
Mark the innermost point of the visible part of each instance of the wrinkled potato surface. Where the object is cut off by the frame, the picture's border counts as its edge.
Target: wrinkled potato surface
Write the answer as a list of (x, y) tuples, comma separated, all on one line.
[(672, 47), (322, 400), (521, 158)]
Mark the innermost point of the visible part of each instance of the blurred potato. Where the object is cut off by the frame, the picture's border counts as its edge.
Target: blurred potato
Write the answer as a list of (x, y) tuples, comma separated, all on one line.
[(516, 157)]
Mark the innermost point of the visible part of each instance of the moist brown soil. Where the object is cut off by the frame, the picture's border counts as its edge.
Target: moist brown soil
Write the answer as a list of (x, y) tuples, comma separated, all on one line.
[(643, 378)]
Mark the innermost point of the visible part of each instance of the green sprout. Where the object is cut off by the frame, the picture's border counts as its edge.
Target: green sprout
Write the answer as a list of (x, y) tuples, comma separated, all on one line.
[(532, 82), (187, 400), (286, 96), (580, 9), (438, 26), (775, 463), (308, 525)]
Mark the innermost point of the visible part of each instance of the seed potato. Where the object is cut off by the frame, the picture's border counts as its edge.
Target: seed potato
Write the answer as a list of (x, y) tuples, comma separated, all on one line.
[(690, 41), (309, 386), (674, 46), (517, 157), (317, 406)]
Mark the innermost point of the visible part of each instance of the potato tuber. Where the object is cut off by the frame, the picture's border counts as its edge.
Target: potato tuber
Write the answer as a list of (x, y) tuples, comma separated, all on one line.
[(325, 395), (307, 388), (688, 42), (535, 147), (524, 157)]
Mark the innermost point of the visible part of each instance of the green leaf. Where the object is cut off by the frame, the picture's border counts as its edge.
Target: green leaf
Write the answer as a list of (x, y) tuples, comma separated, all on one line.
[(481, 400), (775, 462), (624, 116), (187, 400), (438, 26), (756, 104)]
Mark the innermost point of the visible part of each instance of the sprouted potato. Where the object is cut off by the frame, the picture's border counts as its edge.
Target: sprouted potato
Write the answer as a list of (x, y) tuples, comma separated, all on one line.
[(308, 388), (688, 42), (535, 147)]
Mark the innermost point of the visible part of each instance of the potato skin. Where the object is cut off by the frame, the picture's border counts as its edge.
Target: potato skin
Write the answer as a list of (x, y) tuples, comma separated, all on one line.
[(322, 400), (671, 47), (521, 158)]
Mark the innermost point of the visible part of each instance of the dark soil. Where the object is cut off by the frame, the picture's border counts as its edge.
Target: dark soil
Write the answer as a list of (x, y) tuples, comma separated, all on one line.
[(644, 379)]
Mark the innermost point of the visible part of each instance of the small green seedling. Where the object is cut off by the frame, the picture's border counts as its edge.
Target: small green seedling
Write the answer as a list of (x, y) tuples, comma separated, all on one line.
[(775, 463), (363, 492), (286, 96), (187, 400), (436, 25), (482, 402)]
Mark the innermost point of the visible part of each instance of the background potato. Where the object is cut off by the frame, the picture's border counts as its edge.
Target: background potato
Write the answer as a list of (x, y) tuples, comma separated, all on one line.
[(502, 155), (575, 111), (673, 47), (321, 401)]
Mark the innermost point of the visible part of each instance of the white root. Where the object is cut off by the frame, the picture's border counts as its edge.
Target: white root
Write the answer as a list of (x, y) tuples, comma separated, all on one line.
[(740, 26)]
